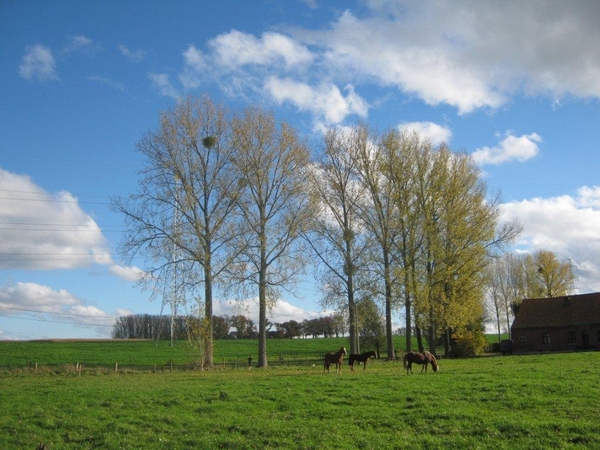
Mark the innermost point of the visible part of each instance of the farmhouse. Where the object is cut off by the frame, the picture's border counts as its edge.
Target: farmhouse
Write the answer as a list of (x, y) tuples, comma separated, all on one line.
[(557, 324)]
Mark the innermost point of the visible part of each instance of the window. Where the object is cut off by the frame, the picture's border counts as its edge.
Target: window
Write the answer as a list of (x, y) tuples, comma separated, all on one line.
[(571, 338), (545, 338)]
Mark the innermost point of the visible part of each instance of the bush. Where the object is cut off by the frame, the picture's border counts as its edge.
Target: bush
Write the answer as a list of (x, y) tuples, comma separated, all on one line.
[(467, 343)]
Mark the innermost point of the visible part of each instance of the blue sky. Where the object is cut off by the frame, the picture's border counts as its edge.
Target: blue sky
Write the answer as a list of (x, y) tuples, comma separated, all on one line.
[(516, 84)]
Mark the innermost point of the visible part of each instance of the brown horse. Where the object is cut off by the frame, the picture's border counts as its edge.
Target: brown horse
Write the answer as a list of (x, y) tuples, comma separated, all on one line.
[(335, 358), (360, 358), (420, 358)]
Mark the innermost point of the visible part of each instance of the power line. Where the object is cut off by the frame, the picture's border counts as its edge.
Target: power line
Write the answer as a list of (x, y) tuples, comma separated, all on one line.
[(56, 321), (50, 200), (47, 224), (54, 201), (63, 229), (45, 193), (52, 312)]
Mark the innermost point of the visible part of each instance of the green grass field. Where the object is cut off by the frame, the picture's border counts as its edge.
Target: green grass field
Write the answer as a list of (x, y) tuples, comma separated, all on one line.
[(139, 353), (512, 402)]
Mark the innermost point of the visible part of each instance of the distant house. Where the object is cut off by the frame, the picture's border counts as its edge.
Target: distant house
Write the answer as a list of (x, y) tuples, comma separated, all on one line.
[(557, 324)]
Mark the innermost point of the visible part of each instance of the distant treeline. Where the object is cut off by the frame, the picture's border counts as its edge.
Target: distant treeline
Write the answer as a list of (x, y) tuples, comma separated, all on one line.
[(146, 326)]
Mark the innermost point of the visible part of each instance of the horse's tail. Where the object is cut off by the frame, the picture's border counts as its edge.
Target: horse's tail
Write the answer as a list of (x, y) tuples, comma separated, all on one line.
[(405, 358)]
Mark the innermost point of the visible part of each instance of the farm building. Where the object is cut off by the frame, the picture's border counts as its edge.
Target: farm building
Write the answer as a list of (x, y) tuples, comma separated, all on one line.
[(557, 324)]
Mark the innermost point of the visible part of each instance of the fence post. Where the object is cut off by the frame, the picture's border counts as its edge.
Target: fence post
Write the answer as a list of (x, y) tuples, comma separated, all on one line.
[(116, 367)]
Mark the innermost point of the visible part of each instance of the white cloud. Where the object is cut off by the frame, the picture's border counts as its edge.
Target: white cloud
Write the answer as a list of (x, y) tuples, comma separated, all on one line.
[(326, 101), (136, 56), (567, 225), (511, 148), (32, 295), (78, 43), (128, 273), (46, 231), (38, 62), (413, 58), (467, 54), (235, 49), (437, 134), (240, 63), (244, 65), (283, 311), (107, 82), (162, 82), (195, 68), (43, 302)]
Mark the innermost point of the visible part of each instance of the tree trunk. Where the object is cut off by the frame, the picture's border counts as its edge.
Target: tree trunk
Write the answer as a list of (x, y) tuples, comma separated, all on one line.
[(262, 295), (262, 324), (208, 314), (408, 322), (419, 339), (389, 331)]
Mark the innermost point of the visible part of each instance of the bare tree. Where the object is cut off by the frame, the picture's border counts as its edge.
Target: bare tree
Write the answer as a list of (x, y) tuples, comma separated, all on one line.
[(271, 165), (180, 219), (400, 154), (337, 234), (499, 293), (381, 217)]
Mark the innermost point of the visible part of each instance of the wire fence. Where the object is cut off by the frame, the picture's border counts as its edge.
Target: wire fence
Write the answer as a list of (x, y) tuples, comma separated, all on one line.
[(165, 367)]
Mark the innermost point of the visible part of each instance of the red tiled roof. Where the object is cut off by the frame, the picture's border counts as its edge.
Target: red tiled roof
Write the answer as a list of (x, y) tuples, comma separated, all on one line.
[(558, 311)]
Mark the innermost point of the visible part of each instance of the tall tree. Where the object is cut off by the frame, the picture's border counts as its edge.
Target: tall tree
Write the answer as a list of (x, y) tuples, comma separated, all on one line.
[(380, 216), (555, 277), (337, 233), (400, 154), (505, 284), (180, 217), (271, 164), (446, 230), (460, 223)]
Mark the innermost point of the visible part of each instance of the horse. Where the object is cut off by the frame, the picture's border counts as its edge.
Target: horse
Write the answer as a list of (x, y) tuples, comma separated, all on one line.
[(360, 358), (335, 358), (420, 358)]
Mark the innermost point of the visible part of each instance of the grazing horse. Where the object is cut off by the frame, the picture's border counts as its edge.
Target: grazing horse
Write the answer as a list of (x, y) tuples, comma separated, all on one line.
[(335, 358), (360, 358), (420, 358)]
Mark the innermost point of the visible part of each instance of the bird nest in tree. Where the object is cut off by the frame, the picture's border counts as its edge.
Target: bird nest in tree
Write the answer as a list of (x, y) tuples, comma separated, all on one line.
[(209, 141)]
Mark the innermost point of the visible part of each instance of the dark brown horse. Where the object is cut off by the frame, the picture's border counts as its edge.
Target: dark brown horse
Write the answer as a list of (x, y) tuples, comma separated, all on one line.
[(420, 358), (360, 358), (335, 358)]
